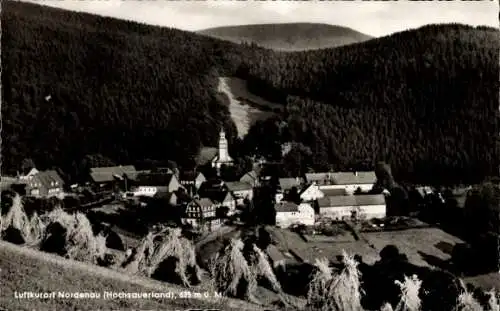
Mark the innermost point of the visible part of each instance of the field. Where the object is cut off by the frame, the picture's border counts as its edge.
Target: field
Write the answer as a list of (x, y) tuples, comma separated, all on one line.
[(27, 270), (245, 107)]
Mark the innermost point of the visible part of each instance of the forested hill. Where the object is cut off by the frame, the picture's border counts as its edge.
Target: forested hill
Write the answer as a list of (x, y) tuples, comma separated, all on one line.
[(289, 36), (425, 100), (119, 89), (75, 84)]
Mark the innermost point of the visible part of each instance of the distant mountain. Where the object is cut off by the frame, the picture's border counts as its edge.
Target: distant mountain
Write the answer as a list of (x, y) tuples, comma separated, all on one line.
[(290, 36)]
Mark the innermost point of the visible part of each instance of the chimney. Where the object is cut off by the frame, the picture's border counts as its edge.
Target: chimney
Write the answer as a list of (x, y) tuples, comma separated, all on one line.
[(355, 173)]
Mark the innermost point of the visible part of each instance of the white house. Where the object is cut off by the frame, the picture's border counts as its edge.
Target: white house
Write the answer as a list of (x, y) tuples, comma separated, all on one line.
[(350, 181), (240, 190), (311, 193), (288, 213), (353, 206), (151, 184)]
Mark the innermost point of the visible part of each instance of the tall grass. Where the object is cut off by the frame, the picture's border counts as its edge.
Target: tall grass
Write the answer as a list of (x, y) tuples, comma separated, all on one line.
[(162, 245), (80, 243), (231, 273), (410, 287), (341, 292), (30, 229)]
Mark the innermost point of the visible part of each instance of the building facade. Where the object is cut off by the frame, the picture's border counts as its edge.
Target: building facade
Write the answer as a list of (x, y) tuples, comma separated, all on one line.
[(353, 207), (288, 214)]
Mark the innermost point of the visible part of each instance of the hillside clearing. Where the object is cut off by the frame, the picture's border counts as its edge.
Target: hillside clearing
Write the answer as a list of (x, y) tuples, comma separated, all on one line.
[(27, 270), (245, 107)]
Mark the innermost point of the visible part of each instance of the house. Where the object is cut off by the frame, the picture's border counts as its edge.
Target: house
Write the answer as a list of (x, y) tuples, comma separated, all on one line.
[(30, 174), (284, 187), (251, 178), (201, 214), (288, 213), (311, 193), (225, 199), (350, 181), (150, 184), (44, 184), (106, 178), (192, 181), (353, 206), (240, 190)]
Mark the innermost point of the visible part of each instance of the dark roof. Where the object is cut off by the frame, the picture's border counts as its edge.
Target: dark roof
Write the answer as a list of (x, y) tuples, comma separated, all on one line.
[(206, 155), (333, 192), (217, 196), (154, 179), (49, 179), (288, 183), (189, 175), (165, 195), (342, 178), (238, 186), (203, 202), (106, 174), (352, 200), (286, 207)]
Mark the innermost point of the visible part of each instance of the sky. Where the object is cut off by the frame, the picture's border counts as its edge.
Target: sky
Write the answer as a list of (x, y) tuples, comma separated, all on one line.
[(375, 18)]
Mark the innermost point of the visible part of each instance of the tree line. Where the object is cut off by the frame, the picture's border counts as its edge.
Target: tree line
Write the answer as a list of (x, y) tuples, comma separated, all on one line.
[(77, 85)]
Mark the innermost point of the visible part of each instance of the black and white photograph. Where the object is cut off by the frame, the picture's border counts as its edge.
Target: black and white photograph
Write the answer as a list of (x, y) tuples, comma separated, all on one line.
[(250, 155)]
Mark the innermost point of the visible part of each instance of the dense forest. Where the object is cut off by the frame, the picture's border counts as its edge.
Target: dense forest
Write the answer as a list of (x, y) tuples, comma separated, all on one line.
[(76, 85), (425, 100)]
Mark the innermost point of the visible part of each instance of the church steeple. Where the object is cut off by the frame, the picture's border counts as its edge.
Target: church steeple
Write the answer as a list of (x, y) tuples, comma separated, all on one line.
[(223, 148)]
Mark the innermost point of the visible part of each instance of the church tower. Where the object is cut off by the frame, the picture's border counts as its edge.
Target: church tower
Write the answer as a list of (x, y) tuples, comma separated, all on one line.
[(222, 157), (223, 148)]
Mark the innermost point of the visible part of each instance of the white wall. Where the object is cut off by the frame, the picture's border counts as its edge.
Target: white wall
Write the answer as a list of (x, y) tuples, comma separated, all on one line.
[(145, 191), (304, 216), (312, 193), (337, 212), (374, 211)]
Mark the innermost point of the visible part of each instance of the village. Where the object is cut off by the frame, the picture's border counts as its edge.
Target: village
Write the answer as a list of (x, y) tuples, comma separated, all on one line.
[(322, 212)]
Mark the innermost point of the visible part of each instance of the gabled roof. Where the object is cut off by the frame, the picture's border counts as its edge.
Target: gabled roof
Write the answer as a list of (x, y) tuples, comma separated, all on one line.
[(238, 186), (218, 196), (285, 207), (307, 187), (190, 175), (109, 173), (342, 178), (206, 155), (333, 192), (49, 179), (288, 183), (154, 179), (352, 200), (203, 202)]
